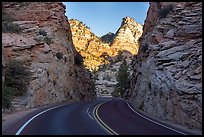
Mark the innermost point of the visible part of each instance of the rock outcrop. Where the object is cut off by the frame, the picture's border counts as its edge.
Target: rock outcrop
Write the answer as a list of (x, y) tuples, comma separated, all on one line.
[(95, 51), (102, 57), (126, 38), (89, 45), (45, 45), (167, 78), (105, 78)]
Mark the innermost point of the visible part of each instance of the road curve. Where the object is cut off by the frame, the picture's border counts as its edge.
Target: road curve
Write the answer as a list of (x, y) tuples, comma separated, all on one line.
[(66, 119), (119, 116), (103, 116)]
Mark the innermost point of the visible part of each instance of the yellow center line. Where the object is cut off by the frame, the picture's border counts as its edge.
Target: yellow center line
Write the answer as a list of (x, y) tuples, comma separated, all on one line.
[(99, 121)]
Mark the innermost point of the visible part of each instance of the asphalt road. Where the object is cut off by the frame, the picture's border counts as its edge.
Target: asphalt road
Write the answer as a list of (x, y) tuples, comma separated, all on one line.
[(103, 116)]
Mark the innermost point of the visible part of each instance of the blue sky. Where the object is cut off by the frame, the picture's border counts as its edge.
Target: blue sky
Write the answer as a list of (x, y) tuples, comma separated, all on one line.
[(104, 17)]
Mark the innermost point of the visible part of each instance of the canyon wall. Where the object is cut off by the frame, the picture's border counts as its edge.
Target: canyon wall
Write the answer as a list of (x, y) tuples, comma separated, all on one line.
[(101, 55), (95, 51), (167, 72), (89, 45), (127, 36), (45, 46)]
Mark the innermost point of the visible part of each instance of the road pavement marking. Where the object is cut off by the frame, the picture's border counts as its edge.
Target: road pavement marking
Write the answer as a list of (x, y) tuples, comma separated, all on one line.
[(103, 125), (152, 120), (87, 111), (21, 129)]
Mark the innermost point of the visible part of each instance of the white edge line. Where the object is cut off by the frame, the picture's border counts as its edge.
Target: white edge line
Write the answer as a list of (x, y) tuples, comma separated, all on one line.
[(87, 111), (21, 129), (152, 120), (90, 116)]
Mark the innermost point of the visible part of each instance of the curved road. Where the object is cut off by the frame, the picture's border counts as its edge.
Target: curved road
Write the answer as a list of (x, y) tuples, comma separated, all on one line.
[(103, 116)]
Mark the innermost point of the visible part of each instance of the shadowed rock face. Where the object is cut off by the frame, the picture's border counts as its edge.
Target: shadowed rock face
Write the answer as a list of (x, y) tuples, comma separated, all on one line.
[(108, 38), (45, 45), (167, 72)]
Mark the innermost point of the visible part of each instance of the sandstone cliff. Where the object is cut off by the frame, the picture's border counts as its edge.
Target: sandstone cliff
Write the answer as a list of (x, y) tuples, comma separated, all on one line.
[(167, 78), (95, 51), (126, 38), (45, 45), (105, 78), (102, 57), (89, 45)]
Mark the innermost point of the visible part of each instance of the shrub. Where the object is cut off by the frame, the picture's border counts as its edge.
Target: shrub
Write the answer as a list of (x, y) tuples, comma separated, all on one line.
[(107, 77), (115, 93), (149, 85), (144, 47), (165, 11), (17, 76), (140, 39), (10, 27), (7, 23), (54, 82), (119, 57), (65, 59), (23, 4), (42, 32), (104, 92), (59, 55), (7, 94), (78, 59), (141, 106), (48, 40)]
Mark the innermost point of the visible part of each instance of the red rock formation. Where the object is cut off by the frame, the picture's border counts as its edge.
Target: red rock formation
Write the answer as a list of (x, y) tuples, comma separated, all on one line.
[(45, 34)]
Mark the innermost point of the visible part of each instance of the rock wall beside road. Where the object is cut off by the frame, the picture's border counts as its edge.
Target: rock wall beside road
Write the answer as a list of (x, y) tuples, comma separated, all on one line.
[(167, 72), (45, 46)]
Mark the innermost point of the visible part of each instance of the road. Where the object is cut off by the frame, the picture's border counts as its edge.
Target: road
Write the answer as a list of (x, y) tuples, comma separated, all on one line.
[(103, 116)]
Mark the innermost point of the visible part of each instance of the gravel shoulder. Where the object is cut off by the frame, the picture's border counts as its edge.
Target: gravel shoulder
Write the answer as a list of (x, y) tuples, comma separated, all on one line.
[(12, 117)]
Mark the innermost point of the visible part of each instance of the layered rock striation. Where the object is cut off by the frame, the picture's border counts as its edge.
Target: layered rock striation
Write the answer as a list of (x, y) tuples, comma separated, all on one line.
[(45, 46), (167, 72)]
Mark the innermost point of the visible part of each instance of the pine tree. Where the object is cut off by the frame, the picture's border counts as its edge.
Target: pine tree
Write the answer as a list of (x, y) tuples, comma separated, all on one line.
[(122, 78)]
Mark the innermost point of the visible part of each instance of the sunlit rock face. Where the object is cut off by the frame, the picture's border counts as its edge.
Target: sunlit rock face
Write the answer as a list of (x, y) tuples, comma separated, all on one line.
[(89, 45), (167, 72), (95, 50), (127, 36), (45, 34), (100, 54)]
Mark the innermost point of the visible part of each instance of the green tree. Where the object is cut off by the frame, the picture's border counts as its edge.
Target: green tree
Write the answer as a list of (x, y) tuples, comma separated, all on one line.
[(122, 78)]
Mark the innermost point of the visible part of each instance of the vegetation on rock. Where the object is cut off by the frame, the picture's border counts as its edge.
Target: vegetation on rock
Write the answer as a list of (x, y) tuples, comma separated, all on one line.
[(17, 77)]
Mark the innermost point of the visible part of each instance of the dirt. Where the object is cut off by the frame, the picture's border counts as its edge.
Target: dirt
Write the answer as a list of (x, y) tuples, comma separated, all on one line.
[(12, 117)]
